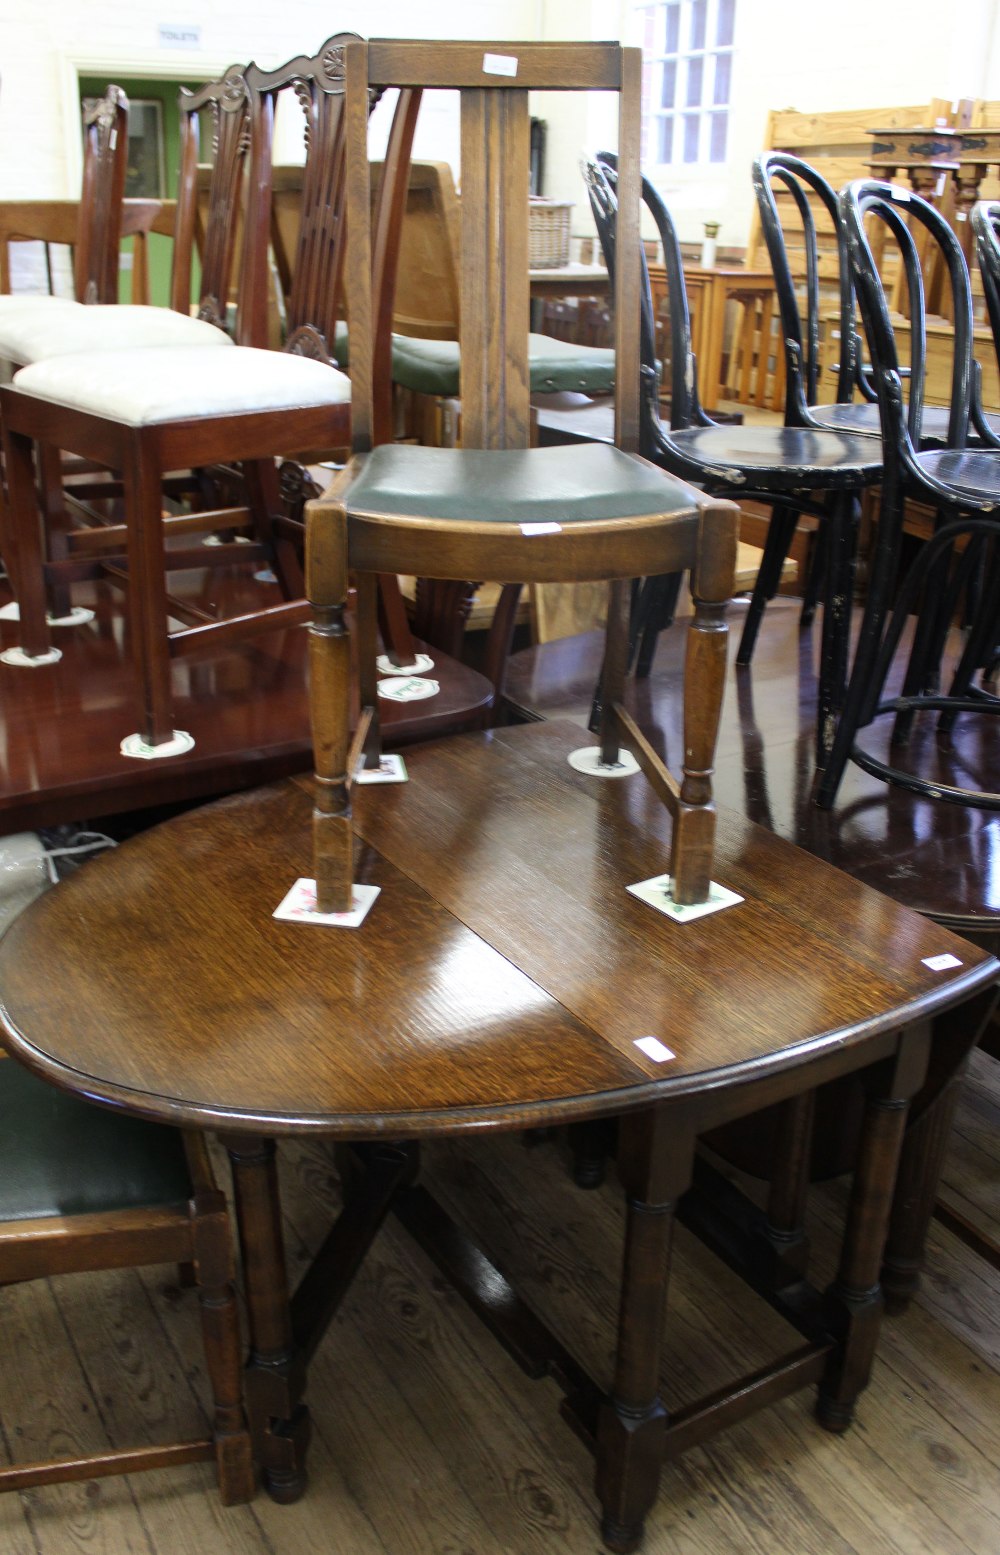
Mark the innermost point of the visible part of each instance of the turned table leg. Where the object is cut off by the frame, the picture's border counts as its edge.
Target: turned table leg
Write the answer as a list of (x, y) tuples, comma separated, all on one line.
[(655, 1163), (275, 1374), (855, 1298)]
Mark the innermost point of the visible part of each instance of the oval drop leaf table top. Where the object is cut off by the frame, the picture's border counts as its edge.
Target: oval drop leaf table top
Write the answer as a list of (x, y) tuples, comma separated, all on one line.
[(503, 976)]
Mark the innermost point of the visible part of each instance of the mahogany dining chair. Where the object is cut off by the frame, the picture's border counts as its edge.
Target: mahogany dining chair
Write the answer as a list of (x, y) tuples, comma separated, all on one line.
[(147, 413)]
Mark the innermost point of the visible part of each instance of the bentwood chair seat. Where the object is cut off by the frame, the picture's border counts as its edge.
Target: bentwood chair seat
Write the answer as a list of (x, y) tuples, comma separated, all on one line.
[(83, 1189), (497, 508)]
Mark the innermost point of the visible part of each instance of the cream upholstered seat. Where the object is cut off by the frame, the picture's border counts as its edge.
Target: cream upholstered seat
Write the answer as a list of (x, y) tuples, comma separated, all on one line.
[(171, 383), (31, 333)]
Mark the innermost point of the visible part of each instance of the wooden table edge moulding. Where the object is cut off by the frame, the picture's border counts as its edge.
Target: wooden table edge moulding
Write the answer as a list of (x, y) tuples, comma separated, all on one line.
[(504, 979)]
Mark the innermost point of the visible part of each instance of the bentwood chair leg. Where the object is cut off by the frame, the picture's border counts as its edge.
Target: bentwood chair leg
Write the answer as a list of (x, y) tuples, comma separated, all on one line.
[(854, 1300), (275, 1374), (655, 1164)]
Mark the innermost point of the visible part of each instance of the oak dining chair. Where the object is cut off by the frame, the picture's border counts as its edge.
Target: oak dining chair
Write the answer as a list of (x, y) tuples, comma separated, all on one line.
[(495, 507), (83, 1190)]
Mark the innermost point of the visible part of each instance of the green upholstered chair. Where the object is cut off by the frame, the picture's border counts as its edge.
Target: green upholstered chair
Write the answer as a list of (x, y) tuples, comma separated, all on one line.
[(496, 508), (83, 1189)]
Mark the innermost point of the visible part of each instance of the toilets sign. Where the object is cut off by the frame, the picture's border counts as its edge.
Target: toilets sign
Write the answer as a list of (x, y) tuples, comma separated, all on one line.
[(179, 35)]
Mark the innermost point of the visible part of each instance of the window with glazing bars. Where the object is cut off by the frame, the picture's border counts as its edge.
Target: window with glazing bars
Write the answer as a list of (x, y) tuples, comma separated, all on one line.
[(687, 50)]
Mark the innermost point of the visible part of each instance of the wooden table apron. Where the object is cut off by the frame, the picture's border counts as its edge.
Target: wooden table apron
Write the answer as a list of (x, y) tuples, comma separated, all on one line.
[(501, 981)]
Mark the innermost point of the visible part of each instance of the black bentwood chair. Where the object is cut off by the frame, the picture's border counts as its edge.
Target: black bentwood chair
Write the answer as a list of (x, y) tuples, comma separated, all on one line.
[(957, 572), (792, 469)]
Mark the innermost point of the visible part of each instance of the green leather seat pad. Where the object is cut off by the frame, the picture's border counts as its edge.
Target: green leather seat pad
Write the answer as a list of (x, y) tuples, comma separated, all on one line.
[(62, 1156), (564, 485), (432, 366)]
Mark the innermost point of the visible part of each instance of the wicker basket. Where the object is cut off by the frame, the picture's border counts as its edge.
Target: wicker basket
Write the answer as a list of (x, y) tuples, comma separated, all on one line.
[(548, 233)]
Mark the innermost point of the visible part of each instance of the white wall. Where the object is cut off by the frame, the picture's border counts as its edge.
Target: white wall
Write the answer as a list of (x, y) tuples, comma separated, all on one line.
[(792, 54), (789, 53)]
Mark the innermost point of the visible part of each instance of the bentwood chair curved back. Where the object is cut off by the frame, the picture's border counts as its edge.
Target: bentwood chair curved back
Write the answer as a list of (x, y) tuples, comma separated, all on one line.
[(957, 572), (83, 1190), (148, 412), (784, 185), (495, 507), (792, 469), (985, 220)]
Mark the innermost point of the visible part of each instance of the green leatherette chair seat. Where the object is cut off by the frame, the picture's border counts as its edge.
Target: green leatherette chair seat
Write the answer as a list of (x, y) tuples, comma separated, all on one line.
[(433, 366), (567, 485), (61, 1156)]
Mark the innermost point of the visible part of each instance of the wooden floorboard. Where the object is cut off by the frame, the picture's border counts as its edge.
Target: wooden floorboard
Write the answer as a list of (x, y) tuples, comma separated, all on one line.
[(428, 1438)]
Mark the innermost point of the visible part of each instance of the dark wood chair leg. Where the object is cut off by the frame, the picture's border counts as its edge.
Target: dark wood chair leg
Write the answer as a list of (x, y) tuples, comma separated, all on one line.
[(221, 1334), (854, 1300), (591, 1142), (787, 1244), (956, 1033), (147, 593), (655, 1164), (275, 1373), (56, 523), (22, 548), (367, 619)]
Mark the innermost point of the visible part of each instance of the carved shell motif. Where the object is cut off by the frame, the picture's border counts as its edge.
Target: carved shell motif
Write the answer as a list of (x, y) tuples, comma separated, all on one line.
[(333, 63), (307, 341), (234, 91)]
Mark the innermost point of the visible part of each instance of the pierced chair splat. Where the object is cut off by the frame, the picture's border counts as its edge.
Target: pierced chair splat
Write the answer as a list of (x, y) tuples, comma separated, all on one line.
[(148, 413), (495, 507), (956, 574)]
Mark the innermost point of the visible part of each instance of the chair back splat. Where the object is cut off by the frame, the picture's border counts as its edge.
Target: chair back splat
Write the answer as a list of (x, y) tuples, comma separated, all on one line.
[(215, 228), (105, 160), (497, 508)]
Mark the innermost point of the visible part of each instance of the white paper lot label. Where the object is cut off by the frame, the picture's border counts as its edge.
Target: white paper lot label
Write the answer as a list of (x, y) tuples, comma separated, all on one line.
[(500, 64)]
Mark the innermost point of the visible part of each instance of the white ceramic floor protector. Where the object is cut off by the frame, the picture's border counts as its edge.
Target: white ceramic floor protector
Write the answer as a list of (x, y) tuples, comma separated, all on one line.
[(407, 688), (78, 616), (421, 664), (178, 745), (657, 893), (390, 769), (588, 760), (299, 906), (25, 661)]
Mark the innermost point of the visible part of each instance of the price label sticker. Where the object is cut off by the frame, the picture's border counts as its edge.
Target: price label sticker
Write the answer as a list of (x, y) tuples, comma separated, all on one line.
[(941, 963), (655, 1049), (500, 64)]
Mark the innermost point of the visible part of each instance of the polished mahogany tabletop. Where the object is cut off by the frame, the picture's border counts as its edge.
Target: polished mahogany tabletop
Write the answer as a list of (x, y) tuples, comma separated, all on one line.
[(504, 976)]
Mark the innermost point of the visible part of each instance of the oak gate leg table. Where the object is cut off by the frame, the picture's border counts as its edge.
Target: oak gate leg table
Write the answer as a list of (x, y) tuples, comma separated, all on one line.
[(504, 979)]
